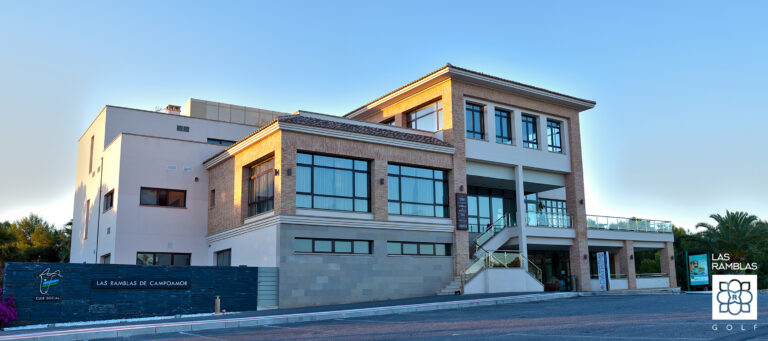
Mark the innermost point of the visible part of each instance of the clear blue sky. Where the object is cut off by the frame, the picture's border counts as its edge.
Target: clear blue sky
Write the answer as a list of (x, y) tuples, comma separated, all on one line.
[(679, 130)]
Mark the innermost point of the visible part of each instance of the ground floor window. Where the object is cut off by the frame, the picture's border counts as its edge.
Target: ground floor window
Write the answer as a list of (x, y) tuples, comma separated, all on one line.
[(315, 245), (418, 249), (162, 258), (224, 257), (105, 259)]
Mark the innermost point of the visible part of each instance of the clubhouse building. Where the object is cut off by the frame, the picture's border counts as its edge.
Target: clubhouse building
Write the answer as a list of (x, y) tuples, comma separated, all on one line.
[(457, 181)]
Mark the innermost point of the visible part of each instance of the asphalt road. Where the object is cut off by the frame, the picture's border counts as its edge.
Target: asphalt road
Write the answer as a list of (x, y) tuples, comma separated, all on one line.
[(642, 317)]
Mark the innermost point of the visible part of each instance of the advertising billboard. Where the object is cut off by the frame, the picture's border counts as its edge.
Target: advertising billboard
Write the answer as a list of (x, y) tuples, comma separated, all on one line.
[(698, 269)]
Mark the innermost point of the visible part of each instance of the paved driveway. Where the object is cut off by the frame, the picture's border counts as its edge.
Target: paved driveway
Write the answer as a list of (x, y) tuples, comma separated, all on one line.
[(642, 317)]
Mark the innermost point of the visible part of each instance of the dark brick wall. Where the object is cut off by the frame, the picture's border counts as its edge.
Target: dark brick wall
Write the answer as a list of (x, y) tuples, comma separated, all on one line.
[(237, 287)]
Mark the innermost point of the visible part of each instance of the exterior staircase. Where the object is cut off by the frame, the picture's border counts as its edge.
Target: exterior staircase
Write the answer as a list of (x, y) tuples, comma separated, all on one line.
[(484, 255), (453, 288)]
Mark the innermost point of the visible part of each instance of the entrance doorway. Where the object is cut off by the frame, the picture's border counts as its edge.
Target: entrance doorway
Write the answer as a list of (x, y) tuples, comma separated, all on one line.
[(555, 268)]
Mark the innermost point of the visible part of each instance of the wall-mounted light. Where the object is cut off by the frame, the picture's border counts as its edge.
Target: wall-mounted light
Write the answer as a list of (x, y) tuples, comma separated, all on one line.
[(671, 257), (586, 256), (581, 201), (277, 172), (288, 171), (631, 256), (461, 188), (381, 181)]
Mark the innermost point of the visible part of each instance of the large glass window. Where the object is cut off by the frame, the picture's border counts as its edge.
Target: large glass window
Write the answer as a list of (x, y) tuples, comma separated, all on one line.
[(224, 257), (417, 191), (503, 126), (418, 249), (485, 206), (332, 183), (429, 118), (312, 245), (162, 258), (530, 136), (554, 143), (474, 121), (261, 188), (163, 197)]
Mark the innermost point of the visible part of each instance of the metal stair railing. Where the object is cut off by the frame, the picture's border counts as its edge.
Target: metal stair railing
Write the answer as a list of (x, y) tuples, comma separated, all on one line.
[(501, 259), (491, 230)]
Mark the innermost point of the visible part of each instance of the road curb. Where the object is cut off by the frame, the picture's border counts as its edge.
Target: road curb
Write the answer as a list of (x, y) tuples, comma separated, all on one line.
[(255, 321)]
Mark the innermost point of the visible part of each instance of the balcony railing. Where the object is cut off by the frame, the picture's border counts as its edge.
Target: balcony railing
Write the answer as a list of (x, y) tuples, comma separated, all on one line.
[(541, 219), (628, 224), (501, 222)]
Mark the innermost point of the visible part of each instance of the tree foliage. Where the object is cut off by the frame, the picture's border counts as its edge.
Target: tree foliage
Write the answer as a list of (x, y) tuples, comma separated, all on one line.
[(32, 239), (737, 233)]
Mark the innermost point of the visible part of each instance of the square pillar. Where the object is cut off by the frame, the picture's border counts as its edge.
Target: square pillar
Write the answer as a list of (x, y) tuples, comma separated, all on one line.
[(667, 260), (574, 197), (522, 239), (615, 263), (627, 263)]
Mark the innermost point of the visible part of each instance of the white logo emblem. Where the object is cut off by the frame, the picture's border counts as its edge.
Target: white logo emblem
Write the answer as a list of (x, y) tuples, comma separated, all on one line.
[(734, 297)]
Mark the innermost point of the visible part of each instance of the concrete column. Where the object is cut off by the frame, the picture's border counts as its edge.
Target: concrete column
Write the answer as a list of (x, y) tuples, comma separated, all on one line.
[(490, 123), (521, 222), (627, 263), (574, 197), (667, 260), (542, 131)]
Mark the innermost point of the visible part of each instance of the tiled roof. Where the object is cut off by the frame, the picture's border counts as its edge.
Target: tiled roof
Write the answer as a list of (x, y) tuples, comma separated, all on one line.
[(350, 127), (448, 65), (361, 129)]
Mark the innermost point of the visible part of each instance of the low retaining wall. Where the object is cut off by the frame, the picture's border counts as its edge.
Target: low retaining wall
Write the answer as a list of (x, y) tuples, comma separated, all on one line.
[(61, 292)]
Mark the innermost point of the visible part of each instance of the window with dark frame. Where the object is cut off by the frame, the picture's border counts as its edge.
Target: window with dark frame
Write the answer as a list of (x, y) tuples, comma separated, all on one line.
[(181, 128), (224, 257), (417, 191), (345, 246), (486, 205), (90, 159), (554, 138), (428, 117), (105, 259), (261, 188), (163, 258), (87, 218), (418, 249), (530, 135), (163, 197), (389, 122), (332, 183), (109, 200), (503, 126), (221, 142), (475, 121)]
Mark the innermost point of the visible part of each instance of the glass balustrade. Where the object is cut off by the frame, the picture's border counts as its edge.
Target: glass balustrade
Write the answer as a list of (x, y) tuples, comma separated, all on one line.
[(542, 219), (628, 224)]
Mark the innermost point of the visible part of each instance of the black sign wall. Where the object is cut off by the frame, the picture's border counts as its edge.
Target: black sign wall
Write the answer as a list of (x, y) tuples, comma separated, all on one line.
[(462, 212)]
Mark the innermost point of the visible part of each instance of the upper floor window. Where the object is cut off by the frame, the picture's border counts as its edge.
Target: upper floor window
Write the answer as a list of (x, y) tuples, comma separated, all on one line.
[(261, 187), (332, 183), (181, 128), (474, 121), (554, 139), (224, 257), (417, 191), (503, 126), (109, 200), (429, 118), (90, 158), (163, 197), (530, 137), (389, 122), (221, 142)]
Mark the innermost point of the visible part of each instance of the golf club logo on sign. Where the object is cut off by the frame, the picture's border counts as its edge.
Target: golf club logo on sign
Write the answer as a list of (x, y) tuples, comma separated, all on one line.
[(734, 297)]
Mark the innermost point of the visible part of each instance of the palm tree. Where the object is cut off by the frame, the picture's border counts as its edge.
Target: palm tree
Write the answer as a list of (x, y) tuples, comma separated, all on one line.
[(737, 233)]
